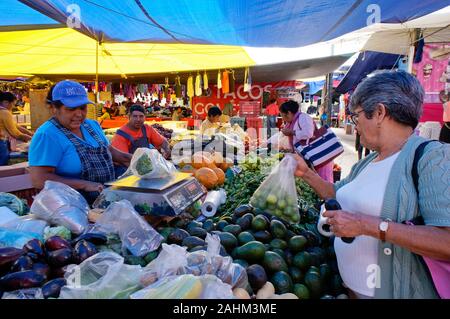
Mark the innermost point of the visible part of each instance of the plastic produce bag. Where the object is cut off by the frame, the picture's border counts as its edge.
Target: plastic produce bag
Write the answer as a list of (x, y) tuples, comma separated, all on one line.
[(149, 163), (280, 141), (136, 234), (14, 203), (16, 239), (60, 231), (186, 287), (277, 195), (102, 276), (7, 215), (27, 223), (32, 293), (61, 205)]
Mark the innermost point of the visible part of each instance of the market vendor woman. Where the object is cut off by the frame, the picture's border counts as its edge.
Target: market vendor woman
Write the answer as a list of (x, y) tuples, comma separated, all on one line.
[(71, 149)]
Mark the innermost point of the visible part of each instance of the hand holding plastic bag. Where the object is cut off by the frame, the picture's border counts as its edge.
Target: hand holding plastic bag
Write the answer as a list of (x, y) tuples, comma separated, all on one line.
[(60, 204), (136, 234), (277, 195), (102, 276), (149, 163)]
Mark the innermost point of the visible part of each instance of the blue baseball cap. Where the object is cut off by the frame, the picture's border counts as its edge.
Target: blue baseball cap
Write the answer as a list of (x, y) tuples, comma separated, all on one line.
[(70, 93)]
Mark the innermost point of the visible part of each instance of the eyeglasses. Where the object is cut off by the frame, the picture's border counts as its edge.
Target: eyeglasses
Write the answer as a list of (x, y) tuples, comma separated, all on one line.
[(354, 117)]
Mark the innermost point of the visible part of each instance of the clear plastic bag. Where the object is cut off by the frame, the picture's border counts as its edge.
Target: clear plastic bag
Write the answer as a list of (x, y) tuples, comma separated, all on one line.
[(27, 223), (280, 141), (277, 195), (136, 234), (186, 287), (32, 293), (16, 239), (102, 276), (175, 260), (149, 163), (61, 205)]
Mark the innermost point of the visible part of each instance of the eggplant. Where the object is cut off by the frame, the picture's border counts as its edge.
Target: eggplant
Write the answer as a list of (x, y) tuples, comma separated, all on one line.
[(55, 243), (42, 269), (58, 272), (52, 288), (21, 280), (83, 250), (94, 238), (8, 255), (22, 264), (60, 257), (35, 246)]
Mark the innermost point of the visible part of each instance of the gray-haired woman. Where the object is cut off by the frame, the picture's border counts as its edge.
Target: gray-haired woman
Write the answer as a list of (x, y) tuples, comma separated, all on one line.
[(379, 194)]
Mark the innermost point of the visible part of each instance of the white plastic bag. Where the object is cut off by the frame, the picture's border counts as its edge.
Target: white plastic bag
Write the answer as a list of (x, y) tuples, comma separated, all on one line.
[(32, 293), (102, 276), (27, 223), (61, 205), (136, 234), (16, 239), (279, 141), (277, 195), (186, 287), (149, 163)]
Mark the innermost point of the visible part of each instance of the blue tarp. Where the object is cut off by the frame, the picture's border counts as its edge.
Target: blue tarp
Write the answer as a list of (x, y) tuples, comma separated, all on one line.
[(366, 63), (281, 23)]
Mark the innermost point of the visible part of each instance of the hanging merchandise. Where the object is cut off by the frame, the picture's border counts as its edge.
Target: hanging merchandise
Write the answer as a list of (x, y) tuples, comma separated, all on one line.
[(166, 87), (198, 85), (190, 86), (205, 81), (225, 82), (232, 81), (247, 80), (177, 86), (219, 81)]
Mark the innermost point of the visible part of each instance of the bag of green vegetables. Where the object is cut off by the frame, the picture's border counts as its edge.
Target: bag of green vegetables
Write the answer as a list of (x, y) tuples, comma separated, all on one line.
[(149, 163)]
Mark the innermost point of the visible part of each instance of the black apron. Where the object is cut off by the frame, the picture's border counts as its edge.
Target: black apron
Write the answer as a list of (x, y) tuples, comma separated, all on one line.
[(136, 143), (96, 162)]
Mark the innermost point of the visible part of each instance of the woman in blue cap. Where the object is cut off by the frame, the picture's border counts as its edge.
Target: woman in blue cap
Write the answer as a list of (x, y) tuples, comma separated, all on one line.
[(71, 149)]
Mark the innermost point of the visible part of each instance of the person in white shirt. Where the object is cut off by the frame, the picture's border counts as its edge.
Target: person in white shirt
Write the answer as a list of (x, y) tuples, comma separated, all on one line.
[(299, 127)]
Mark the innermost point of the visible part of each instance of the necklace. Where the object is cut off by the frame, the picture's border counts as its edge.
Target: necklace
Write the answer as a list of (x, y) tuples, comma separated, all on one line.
[(397, 149)]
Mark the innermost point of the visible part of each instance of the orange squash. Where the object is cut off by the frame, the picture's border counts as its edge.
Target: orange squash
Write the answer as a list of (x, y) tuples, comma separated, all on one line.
[(220, 175), (207, 177), (227, 163), (217, 158), (202, 159)]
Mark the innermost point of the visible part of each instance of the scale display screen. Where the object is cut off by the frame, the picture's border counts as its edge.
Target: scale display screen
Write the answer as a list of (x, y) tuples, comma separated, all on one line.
[(181, 198)]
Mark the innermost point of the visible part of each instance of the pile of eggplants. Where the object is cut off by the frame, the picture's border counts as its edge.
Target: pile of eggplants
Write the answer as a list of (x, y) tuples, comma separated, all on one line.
[(43, 265)]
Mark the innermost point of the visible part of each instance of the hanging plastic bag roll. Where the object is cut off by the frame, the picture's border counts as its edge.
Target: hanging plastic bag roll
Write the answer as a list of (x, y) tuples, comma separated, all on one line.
[(212, 202)]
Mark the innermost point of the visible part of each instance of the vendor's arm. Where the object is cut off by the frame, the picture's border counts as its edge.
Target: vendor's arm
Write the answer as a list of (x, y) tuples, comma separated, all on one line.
[(24, 130), (40, 174), (120, 157), (11, 126), (159, 141), (323, 188)]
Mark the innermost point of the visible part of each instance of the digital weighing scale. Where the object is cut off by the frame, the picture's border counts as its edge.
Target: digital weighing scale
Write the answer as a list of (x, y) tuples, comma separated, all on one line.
[(156, 197)]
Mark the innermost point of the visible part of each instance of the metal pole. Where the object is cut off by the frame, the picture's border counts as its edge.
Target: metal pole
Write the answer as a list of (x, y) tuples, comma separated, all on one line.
[(328, 99), (96, 73)]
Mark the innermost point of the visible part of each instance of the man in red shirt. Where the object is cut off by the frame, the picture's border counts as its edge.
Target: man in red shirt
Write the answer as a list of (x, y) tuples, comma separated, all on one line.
[(136, 134), (272, 111)]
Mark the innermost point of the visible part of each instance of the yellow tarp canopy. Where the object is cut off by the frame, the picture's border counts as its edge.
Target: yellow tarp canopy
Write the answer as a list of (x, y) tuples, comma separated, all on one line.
[(66, 51)]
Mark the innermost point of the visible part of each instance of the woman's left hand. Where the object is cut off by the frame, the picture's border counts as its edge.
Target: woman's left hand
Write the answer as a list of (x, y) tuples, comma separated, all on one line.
[(287, 132), (345, 224)]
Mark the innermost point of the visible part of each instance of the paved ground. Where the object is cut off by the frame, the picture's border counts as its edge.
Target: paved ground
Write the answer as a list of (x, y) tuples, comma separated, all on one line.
[(350, 155)]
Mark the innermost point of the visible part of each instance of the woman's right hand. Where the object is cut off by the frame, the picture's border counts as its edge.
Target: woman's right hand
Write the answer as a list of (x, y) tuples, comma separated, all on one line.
[(302, 167), (92, 187)]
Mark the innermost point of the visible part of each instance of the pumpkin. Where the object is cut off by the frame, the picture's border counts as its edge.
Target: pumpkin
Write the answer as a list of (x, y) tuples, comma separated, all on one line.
[(202, 159), (226, 164), (220, 175), (206, 177), (217, 158)]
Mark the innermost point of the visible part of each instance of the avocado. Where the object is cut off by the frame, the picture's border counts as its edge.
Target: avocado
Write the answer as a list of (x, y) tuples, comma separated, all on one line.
[(302, 260), (228, 219), (198, 248), (198, 232), (248, 216), (277, 229), (319, 252), (327, 297), (257, 276), (228, 240), (259, 223), (135, 260), (244, 223), (314, 284), (193, 224), (325, 272), (253, 252), (242, 210), (336, 285), (301, 291), (177, 236), (262, 236), (193, 241), (273, 262), (208, 225), (241, 262), (233, 229), (296, 274), (151, 256), (278, 243), (297, 243), (278, 251), (282, 283), (288, 257), (221, 224), (165, 232), (313, 239), (245, 237), (289, 235)]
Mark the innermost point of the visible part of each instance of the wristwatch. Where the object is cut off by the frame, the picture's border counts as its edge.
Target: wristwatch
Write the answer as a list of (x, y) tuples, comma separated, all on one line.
[(383, 227)]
